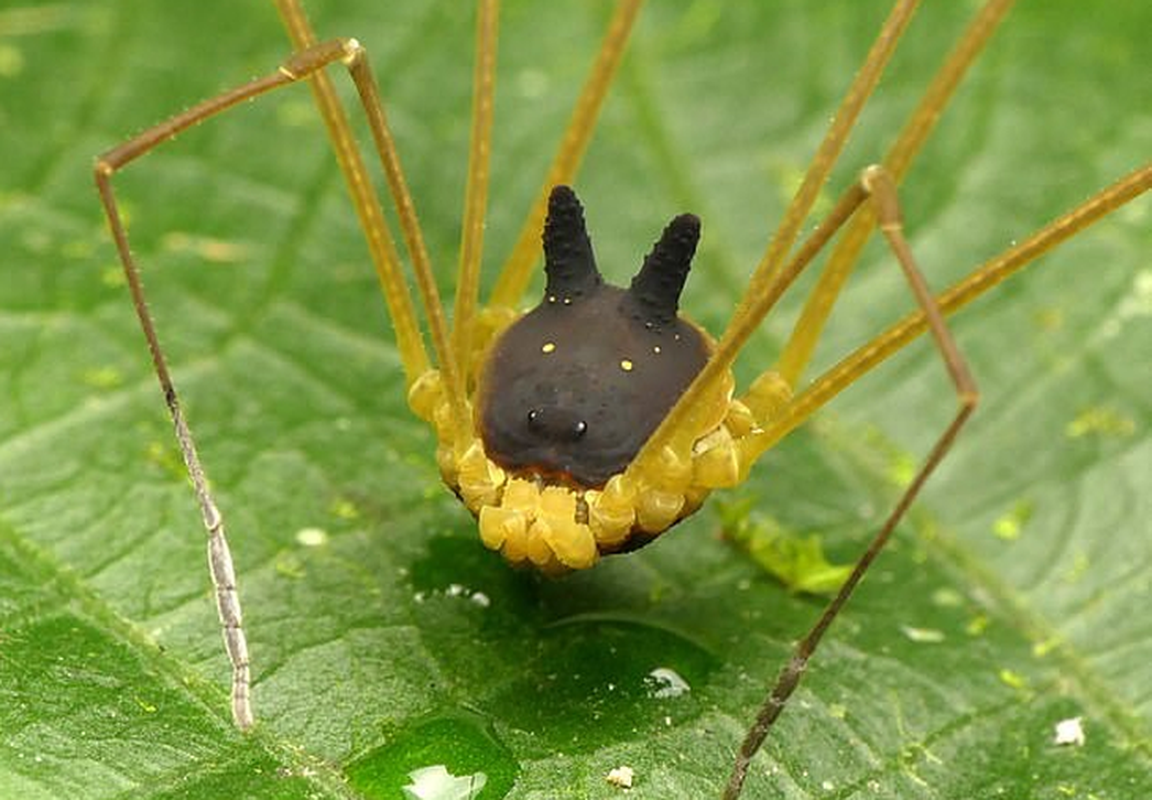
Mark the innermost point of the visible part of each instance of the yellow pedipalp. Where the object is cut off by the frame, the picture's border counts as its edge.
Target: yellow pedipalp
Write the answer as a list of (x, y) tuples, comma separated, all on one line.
[(571, 541), (480, 480), (612, 511)]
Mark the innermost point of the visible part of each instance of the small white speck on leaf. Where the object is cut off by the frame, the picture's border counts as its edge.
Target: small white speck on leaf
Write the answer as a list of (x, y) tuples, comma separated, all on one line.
[(1070, 732), (621, 777), (312, 537)]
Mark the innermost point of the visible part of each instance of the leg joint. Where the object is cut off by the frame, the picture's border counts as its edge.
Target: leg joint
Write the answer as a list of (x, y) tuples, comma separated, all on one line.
[(354, 53), (881, 188)]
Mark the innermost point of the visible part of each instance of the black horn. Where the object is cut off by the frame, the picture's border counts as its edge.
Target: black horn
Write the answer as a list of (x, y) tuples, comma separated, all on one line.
[(569, 263), (657, 286)]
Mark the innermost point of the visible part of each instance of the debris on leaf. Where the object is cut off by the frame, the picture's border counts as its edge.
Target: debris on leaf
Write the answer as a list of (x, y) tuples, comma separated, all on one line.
[(312, 537), (796, 561), (1100, 421), (664, 682), (947, 598), (1013, 679), (1009, 525), (922, 635), (343, 508), (104, 378), (217, 251), (621, 777), (1070, 732), (977, 625)]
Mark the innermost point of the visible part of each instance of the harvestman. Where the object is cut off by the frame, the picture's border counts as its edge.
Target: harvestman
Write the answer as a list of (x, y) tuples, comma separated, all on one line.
[(554, 479)]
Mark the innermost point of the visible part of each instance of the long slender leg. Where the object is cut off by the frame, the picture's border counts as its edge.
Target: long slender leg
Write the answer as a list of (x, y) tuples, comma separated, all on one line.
[(361, 72), (476, 192), (219, 555), (513, 278), (381, 246), (368, 208), (882, 193), (809, 325), (678, 429), (872, 354), (985, 277), (297, 67)]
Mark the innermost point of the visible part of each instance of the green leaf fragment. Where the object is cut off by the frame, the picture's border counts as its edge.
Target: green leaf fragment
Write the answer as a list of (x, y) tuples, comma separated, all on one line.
[(796, 560), (1101, 421)]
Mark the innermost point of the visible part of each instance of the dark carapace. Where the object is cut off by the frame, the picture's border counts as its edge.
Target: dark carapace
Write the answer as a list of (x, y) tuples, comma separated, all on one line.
[(573, 389)]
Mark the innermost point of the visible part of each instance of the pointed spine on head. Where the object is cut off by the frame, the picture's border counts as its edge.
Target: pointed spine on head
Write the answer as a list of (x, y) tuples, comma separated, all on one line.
[(569, 264), (657, 286)]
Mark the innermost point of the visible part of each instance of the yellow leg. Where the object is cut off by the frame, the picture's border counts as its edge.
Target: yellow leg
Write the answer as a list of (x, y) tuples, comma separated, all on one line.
[(299, 66), (809, 326), (380, 243), (982, 279), (683, 423), (882, 191), (368, 210), (517, 271), (476, 191)]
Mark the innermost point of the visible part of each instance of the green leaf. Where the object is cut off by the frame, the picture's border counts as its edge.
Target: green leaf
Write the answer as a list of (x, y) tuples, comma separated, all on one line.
[(393, 641)]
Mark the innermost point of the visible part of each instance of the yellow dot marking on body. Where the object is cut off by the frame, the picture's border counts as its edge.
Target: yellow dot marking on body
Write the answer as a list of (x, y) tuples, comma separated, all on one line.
[(656, 349), (548, 347), (625, 365)]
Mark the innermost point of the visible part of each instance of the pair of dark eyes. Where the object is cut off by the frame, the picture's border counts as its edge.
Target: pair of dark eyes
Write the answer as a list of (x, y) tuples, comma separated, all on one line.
[(538, 423)]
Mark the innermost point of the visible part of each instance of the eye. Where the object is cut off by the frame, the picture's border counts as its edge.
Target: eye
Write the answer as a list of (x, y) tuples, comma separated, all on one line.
[(556, 426)]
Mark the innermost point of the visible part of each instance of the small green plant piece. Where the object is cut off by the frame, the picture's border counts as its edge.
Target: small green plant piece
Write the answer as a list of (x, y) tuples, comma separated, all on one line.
[(796, 560)]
